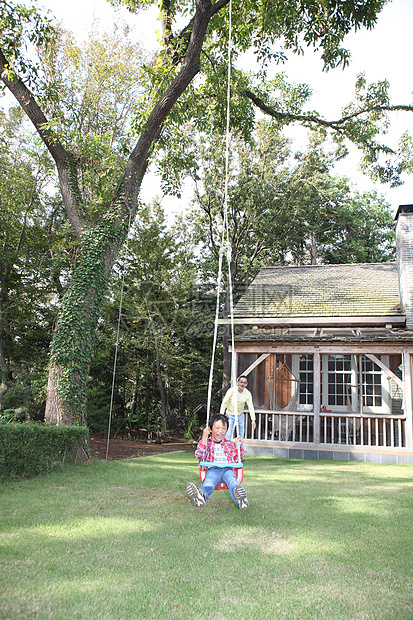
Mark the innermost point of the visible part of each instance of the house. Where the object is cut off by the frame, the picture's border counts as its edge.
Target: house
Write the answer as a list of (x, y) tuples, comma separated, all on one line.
[(328, 354)]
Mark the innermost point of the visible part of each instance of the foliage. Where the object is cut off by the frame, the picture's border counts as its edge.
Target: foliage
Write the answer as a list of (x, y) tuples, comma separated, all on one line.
[(329, 222), (363, 123), (31, 449), (28, 272), (283, 208), (272, 29), (90, 92), (19, 414), (361, 231), (99, 187), (380, 161), (283, 30), (22, 25), (165, 332)]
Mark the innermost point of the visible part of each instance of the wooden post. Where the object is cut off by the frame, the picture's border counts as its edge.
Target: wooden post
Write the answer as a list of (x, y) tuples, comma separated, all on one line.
[(407, 397), (361, 387), (317, 395)]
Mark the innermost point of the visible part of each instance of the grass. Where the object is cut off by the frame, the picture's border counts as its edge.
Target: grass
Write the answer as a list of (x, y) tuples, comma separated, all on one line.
[(120, 540)]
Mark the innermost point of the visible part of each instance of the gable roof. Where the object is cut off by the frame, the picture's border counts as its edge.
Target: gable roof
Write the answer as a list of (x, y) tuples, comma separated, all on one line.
[(350, 290)]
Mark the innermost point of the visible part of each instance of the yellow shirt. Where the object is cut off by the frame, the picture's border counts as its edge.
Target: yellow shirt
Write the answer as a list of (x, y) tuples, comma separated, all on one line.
[(243, 398)]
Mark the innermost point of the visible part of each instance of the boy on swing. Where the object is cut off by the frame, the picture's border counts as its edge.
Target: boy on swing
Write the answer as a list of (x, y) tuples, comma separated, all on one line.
[(219, 450)]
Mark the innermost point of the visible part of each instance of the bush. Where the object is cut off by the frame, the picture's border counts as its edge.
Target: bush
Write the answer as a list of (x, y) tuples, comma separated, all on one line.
[(17, 395), (31, 449), (20, 414)]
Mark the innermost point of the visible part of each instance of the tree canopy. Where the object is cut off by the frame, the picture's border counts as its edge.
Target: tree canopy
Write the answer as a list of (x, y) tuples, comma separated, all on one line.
[(183, 83)]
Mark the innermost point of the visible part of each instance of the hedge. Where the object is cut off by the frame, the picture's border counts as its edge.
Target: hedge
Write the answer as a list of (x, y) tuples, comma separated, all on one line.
[(32, 449)]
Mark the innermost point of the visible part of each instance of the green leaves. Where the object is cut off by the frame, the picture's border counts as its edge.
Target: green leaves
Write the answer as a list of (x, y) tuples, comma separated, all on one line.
[(28, 450), (22, 25), (26, 265), (364, 120), (89, 93), (165, 332), (285, 210)]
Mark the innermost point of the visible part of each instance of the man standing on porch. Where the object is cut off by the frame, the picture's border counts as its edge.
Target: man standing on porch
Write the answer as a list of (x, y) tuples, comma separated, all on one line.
[(243, 398)]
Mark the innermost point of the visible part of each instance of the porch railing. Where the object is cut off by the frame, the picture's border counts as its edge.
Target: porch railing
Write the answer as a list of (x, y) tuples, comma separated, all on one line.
[(365, 430), (334, 429), (277, 426)]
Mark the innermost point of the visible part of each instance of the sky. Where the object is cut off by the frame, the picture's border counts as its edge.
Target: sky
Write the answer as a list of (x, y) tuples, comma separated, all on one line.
[(383, 53)]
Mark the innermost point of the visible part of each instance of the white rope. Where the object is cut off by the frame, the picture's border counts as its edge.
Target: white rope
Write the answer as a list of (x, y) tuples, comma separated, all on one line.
[(233, 360), (214, 343), (225, 247), (227, 134), (224, 235), (117, 346)]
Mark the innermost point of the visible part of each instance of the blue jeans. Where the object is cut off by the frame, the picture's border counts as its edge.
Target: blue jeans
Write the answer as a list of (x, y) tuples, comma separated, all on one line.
[(231, 422), (214, 476)]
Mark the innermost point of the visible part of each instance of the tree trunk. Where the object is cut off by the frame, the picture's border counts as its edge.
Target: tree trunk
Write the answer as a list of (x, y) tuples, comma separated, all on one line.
[(4, 372), (74, 335), (55, 410), (4, 367), (160, 381), (3, 364), (313, 249)]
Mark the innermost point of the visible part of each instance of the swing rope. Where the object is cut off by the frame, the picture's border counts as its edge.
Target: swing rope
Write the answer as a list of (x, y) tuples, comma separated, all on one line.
[(225, 248), (117, 345), (225, 245)]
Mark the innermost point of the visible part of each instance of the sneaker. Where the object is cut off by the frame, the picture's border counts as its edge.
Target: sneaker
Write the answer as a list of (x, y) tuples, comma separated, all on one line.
[(195, 494), (241, 497)]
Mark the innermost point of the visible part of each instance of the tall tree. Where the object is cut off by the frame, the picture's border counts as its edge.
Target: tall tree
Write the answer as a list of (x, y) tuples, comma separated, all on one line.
[(282, 209), (98, 86), (102, 224), (26, 266), (329, 222)]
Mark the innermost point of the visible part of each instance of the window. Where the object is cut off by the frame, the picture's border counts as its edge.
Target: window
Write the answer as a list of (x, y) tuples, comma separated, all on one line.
[(372, 384), (306, 388), (338, 380), (347, 378), (303, 373)]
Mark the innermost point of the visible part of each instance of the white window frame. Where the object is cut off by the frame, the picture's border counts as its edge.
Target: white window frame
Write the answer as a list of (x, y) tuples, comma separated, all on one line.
[(296, 372), (354, 380)]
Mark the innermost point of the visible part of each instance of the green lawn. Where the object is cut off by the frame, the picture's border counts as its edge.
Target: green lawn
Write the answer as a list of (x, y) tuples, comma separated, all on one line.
[(121, 540)]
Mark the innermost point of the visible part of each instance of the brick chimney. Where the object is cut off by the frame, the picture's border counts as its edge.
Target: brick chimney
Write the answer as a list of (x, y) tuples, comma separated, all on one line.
[(404, 250)]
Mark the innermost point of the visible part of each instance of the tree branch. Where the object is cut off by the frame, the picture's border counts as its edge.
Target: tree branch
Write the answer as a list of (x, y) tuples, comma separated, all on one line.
[(65, 164), (337, 125), (129, 187), (180, 42)]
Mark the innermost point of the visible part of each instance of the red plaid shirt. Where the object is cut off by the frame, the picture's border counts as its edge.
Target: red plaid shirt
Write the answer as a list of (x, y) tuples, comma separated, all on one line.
[(206, 453)]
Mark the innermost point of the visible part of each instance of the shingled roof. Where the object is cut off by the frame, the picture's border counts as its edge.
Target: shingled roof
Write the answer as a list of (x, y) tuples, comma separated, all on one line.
[(351, 290)]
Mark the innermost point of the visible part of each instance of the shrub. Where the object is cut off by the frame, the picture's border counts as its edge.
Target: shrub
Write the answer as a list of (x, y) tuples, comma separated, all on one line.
[(31, 449), (20, 414), (17, 395)]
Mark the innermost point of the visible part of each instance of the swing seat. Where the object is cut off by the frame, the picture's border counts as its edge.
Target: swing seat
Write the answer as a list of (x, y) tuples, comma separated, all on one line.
[(203, 467)]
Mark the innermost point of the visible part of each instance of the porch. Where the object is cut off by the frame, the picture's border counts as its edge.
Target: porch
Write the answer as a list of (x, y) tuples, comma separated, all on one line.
[(357, 438), (324, 401)]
